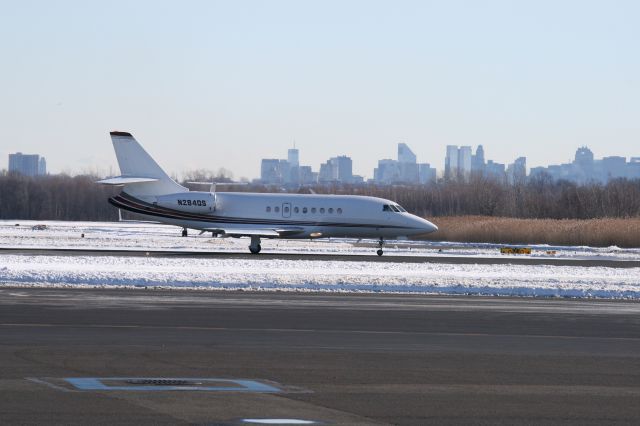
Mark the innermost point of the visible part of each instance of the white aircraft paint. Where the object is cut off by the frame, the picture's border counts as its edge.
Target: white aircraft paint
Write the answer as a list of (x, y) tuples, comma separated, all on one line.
[(149, 191)]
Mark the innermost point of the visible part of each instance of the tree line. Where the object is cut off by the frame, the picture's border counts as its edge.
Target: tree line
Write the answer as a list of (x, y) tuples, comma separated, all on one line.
[(61, 197)]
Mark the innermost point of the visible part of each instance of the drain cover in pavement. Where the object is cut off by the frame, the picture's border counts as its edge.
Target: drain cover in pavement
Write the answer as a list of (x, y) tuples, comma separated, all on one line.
[(169, 384)]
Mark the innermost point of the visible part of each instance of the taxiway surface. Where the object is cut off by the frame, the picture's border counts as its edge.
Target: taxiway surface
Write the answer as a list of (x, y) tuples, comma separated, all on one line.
[(335, 359), (456, 260)]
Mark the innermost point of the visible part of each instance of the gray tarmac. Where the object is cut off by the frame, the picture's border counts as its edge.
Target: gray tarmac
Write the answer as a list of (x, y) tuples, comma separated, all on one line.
[(467, 260), (332, 359)]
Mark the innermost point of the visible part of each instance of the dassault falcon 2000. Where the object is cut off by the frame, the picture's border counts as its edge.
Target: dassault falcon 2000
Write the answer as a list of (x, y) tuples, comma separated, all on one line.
[(149, 191)]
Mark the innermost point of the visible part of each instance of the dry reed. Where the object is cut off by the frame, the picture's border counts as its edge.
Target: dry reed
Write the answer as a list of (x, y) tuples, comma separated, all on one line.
[(590, 232)]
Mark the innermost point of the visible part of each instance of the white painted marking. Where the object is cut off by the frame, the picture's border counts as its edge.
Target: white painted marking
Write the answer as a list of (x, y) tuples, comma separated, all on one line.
[(279, 421)]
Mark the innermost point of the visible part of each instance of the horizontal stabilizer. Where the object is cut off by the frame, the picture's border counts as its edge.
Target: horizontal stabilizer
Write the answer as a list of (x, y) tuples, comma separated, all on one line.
[(124, 180)]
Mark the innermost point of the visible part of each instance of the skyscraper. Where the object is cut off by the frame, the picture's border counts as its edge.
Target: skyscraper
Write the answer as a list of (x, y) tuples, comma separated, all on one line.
[(293, 156), (517, 171), (28, 165), (345, 169), (405, 155), (477, 161), (464, 162), (42, 166), (451, 163), (270, 171)]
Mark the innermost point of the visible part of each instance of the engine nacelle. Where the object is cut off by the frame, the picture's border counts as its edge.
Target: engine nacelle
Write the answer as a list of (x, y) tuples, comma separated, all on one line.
[(192, 202)]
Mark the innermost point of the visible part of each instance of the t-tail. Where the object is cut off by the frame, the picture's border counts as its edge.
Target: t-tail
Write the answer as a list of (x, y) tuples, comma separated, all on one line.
[(140, 174)]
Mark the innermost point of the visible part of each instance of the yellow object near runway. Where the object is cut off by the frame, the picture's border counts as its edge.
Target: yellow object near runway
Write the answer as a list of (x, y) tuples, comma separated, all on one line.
[(515, 250)]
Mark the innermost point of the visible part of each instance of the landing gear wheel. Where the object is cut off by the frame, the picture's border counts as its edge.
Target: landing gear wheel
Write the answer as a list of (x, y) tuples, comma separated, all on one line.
[(255, 246), (380, 244), (184, 232)]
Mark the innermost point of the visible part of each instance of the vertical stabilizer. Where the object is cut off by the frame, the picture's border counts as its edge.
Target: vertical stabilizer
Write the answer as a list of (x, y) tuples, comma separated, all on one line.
[(141, 175)]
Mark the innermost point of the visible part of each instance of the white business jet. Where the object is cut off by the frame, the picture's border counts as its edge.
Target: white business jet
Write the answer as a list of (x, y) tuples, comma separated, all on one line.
[(149, 191)]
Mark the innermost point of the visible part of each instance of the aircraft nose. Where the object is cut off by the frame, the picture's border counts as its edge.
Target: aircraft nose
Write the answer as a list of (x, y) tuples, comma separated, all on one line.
[(423, 226), (429, 227)]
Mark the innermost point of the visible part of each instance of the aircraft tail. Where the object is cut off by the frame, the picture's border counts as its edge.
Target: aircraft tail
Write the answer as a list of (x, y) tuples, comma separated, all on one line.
[(140, 174)]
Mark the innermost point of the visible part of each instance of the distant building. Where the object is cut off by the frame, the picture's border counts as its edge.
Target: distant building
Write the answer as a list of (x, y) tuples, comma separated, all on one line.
[(27, 164), (495, 170), (457, 163), (404, 170), (327, 173), (477, 161), (407, 165), (405, 155), (286, 172), (307, 176), (343, 167), (464, 162), (426, 173), (270, 171), (293, 156), (42, 166), (451, 163), (517, 171), (586, 169), (387, 172)]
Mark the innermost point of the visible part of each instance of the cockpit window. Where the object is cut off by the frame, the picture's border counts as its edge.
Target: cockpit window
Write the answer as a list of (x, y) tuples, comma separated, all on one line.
[(393, 208)]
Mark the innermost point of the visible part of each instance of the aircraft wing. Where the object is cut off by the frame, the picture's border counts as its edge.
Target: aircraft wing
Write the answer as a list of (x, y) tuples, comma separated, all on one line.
[(258, 232)]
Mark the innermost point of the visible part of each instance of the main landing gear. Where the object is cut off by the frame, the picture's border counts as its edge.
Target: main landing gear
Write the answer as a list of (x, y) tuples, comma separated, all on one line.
[(255, 247), (184, 232), (380, 243)]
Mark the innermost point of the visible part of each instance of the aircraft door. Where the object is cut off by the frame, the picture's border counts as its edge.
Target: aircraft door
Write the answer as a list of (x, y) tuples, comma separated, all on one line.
[(286, 209)]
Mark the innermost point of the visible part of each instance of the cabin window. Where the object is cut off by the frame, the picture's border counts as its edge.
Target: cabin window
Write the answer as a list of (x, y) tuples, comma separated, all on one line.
[(286, 209), (386, 208), (330, 210), (313, 210), (296, 210), (276, 209), (304, 210), (339, 210), (268, 209), (321, 210)]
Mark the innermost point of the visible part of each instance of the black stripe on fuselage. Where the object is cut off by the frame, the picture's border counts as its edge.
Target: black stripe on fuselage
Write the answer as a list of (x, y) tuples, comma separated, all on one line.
[(127, 202)]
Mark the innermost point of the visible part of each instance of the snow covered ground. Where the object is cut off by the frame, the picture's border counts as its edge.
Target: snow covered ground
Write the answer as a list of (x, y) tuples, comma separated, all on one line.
[(296, 275)]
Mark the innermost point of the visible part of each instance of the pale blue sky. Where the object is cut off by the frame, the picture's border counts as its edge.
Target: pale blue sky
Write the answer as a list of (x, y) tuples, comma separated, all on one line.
[(206, 84)]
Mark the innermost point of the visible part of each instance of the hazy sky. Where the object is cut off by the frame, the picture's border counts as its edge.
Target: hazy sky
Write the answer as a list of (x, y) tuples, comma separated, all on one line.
[(207, 84)]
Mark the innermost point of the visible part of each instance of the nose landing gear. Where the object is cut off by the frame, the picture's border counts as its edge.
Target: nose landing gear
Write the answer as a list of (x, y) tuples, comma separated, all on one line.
[(255, 247), (380, 243)]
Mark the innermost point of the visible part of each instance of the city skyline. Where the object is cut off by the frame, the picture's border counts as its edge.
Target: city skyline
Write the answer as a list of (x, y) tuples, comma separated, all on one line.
[(581, 168), (460, 164)]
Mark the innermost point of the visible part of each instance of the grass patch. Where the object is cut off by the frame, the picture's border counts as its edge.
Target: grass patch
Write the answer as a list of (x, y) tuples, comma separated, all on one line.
[(589, 232)]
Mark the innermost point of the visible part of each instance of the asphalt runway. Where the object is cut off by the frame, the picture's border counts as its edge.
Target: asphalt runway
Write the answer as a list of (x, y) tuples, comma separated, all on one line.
[(467, 260), (332, 359)]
